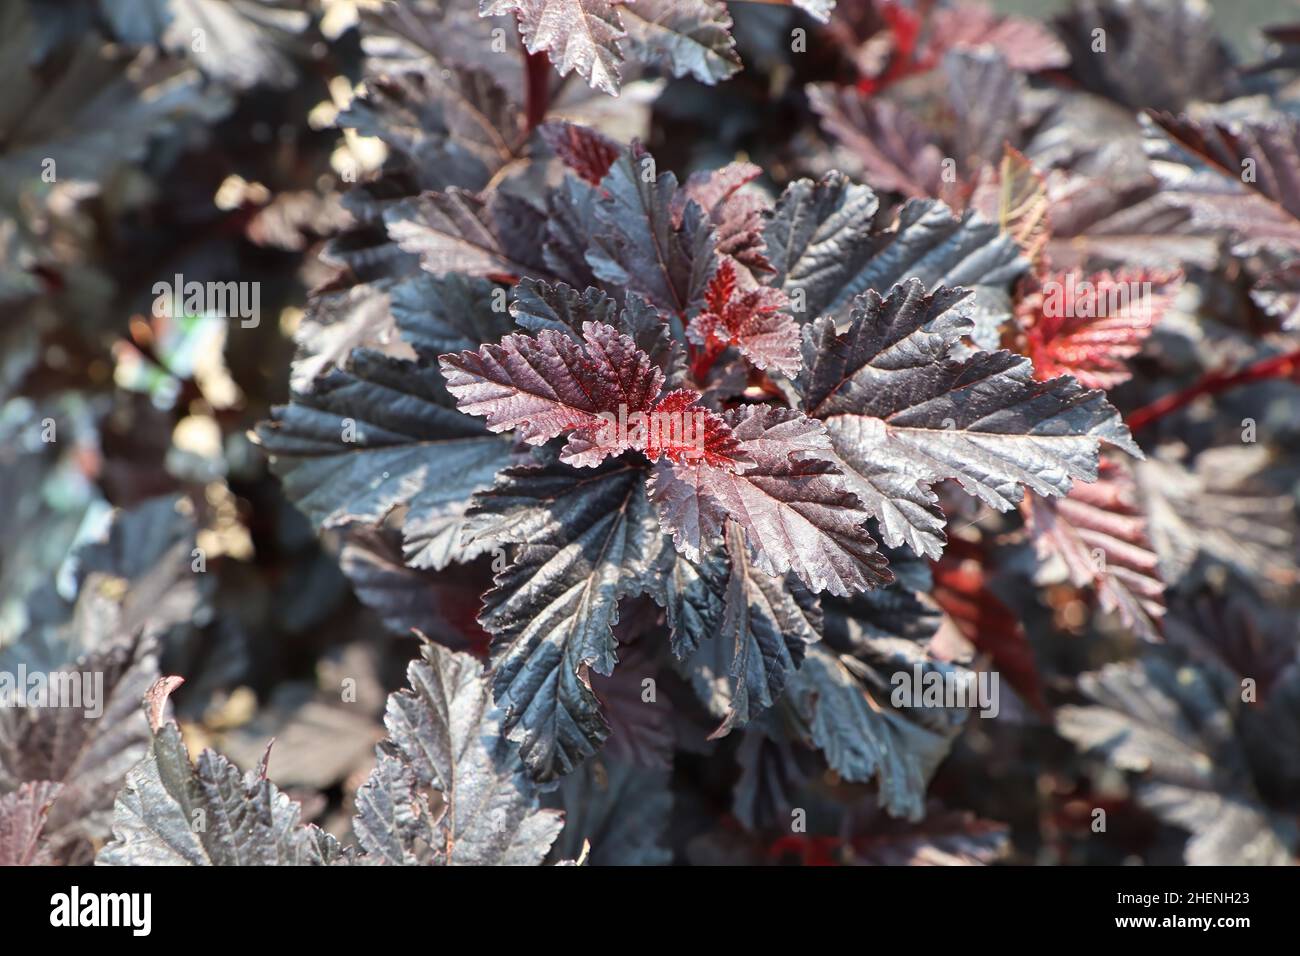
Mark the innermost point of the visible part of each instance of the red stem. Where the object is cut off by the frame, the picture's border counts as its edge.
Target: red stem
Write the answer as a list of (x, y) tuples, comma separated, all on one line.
[(1278, 366), (703, 359), (537, 76)]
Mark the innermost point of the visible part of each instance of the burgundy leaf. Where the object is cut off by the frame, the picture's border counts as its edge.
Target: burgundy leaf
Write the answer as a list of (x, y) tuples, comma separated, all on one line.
[(707, 438), (1232, 175), (549, 385), (1098, 223), (767, 625), (639, 244), (985, 96), (1100, 534), (495, 235), (737, 215), (585, 541), (584, 150), (906, 410), (1026, 45), (541, 305), (641, 730), (892, 149), (571, 220), (602, 390), (793, 505), (750, 320), (1089, 326)]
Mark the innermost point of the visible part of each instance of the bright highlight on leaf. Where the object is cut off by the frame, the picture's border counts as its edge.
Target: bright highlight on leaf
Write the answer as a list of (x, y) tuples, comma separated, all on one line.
[(603, 393)]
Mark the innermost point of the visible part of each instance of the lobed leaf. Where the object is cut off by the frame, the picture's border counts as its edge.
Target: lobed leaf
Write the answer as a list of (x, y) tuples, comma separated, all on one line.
[(641, 245), (586, 540), (891, 148), (444, 738), (177, 813), (603, 392), (380, 434), (792, 504), (863, 737), (1158, 54), (578, 35), (766, 626), (684, 37), (903, 415), (620, 809)]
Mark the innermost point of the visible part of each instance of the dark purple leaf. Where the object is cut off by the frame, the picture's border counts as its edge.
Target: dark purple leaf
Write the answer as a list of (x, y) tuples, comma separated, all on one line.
[(640, 245), (1158, 53), (586, 538), (1173, 726), (1099, 534), (793, 505), (684, 37), (903, 415), (1236, 176), (177, 813), (381, 434), (444, 749)]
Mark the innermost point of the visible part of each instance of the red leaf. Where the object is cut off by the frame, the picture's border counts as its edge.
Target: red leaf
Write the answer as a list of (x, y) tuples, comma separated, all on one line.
[(791, 502), (703, 435), (582, 149), (602, 391), (751, 321), (721, 288), (1089, 326)]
